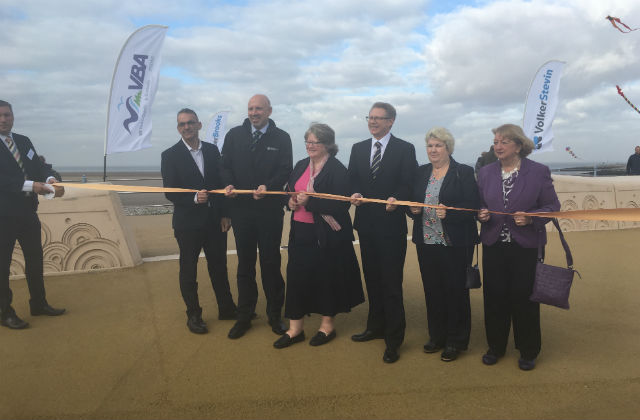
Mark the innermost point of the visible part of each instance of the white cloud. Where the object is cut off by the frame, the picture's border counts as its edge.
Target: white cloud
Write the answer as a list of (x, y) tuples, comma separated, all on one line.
[(467, 69)]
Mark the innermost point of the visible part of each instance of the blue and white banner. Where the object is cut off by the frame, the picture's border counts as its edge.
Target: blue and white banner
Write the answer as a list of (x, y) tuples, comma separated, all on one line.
[(133, 88), (540, 106), (217, 129)]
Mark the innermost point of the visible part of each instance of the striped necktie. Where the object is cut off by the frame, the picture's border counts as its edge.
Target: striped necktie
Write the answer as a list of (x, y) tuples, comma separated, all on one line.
[(377, 157), (254, 139), (15, 152)]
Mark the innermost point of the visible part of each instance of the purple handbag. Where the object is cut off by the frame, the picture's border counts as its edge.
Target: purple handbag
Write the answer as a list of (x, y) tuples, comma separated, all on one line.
[(553, 284)]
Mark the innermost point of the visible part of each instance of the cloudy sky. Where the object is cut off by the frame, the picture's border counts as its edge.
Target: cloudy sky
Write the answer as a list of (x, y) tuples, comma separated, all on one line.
[(465, 65)]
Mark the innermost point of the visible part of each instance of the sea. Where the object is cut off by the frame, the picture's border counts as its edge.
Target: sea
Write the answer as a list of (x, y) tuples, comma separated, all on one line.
[(156, 203)]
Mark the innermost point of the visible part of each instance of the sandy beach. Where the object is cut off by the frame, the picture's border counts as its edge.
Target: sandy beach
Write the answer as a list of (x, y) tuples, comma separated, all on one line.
[(123, 351)]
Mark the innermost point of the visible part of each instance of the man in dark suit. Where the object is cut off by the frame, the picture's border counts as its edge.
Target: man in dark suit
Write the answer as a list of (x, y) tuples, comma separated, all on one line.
[(199, 219), (22, 177), (257, 156), (382, 167)]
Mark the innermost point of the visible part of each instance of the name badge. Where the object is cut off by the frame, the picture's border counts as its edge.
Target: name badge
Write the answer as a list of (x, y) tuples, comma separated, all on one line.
[(274, 149), (30, 154)]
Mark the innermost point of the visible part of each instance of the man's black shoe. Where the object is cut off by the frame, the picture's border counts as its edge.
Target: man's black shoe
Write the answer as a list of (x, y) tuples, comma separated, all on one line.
[(197, 325), (14, 322), (367, 335), (432, 347), (449, 354), (277, 326), (390, 356), (46, 309), (239, 329)]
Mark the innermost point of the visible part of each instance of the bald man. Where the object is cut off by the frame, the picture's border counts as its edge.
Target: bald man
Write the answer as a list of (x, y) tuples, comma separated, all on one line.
[(257, 156)]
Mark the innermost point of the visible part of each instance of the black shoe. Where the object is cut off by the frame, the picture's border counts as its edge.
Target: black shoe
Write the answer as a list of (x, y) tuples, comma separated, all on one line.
[(490, 358), (449, 354), (367, 335), (46, 309), (277, 326), (14, 322), (525, 364), (286, 341), (239, 329), (432, 347), (321, 338), (196, 325), (390, 356)]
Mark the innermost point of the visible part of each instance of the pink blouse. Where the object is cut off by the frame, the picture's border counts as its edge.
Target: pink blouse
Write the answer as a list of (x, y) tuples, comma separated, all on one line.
[(301, 214)]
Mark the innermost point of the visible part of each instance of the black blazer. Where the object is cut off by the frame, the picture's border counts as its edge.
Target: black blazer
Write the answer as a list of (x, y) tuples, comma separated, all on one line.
[(394, 179), (269, 164), (332, 179), (12, 198), (459, 189), (180, 171)]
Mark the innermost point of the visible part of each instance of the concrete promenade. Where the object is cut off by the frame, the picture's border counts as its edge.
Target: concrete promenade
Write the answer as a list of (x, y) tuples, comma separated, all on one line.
[(123, 351)]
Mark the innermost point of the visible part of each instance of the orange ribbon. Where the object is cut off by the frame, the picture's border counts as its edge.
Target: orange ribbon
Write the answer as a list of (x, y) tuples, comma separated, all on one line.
[(620, 214)]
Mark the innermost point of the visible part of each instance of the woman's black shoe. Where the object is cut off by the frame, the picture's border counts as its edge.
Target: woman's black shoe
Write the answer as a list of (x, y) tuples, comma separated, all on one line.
[(286, 341), (321, 338)]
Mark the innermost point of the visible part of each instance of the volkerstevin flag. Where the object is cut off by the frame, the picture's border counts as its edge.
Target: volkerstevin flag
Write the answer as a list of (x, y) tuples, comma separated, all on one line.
[(540, 106), (217, 129), (134, 85)]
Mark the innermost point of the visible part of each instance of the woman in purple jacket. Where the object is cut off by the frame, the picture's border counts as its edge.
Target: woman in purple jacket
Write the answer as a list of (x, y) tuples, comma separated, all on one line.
[(513, 184)]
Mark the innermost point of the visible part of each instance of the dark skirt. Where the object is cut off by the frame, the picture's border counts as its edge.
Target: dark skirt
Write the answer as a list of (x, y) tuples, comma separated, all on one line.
[(322, 281)]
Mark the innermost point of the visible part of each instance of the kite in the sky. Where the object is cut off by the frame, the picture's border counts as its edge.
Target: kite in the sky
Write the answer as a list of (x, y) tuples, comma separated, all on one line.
[(568, 149), (614, 21), (628, 101)]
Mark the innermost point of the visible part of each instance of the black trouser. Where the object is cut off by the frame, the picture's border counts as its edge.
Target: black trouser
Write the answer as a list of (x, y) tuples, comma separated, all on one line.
[(443, 270), (213, 241), (25, 228), (383, 265), (262, 231), (509, 271)]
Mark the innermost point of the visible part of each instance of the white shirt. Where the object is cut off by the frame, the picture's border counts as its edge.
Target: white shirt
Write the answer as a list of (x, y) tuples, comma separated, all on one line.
[(384, 142), (198, 158), (28, 184), (263, 130)]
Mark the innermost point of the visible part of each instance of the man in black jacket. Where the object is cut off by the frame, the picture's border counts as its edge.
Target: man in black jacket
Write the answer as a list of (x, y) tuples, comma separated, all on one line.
[(22, 178), (633, 164), (382, 167), (199, 220), (257, 156)]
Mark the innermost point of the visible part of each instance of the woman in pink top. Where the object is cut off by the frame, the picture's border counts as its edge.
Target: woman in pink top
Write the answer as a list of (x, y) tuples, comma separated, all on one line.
[(323, 275)]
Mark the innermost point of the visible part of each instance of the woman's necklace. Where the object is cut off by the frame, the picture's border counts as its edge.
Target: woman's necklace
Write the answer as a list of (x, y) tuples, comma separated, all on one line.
[(507, 173)]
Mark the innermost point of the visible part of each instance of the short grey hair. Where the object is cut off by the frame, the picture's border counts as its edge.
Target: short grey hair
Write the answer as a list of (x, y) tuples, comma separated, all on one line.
[(325, 135), (388, 109), (442, 134), (514, 132)]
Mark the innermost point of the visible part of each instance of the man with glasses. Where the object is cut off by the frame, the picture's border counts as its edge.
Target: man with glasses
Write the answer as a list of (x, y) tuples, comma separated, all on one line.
[(257, 156), (23, 177), (382, 167), (199, 220)]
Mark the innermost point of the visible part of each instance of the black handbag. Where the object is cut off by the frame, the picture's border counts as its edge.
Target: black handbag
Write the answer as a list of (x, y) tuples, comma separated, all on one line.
[(473, 274), (552, 284)]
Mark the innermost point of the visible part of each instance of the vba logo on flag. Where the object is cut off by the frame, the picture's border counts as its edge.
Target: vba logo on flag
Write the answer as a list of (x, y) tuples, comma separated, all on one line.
[(133, 88), (217, 129), (132, 103), (541, 104)]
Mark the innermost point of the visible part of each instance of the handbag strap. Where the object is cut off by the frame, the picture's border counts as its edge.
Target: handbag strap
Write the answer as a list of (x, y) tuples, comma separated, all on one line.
[(565, 245)]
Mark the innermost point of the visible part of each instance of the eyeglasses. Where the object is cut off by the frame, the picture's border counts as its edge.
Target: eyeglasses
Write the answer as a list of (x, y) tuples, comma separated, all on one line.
[(312, 143), (189, 123), (376, 119)]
